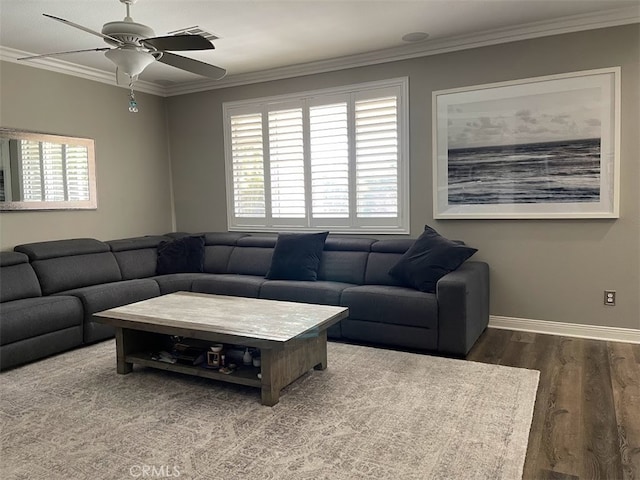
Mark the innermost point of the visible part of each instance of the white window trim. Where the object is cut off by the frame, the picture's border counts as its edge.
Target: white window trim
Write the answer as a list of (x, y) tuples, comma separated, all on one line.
[(250, 105)]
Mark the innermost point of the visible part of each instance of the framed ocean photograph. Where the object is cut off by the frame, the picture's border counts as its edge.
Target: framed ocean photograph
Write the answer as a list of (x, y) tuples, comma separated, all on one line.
[(544, 147)]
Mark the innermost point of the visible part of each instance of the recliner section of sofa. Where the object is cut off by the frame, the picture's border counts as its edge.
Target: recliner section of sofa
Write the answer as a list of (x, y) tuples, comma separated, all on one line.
[(87, 269), (246, 265), (95, 275), (33, 326)]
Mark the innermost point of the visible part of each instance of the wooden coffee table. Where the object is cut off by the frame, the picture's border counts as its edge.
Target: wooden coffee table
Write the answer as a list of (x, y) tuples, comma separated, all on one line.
[(292, 337)]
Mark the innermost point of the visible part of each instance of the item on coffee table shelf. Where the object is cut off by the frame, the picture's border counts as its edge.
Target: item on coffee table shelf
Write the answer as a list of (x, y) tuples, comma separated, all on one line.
[(233, 354), (256, 361), (214, 356), (164, 357), (246, 358), (188, 355)]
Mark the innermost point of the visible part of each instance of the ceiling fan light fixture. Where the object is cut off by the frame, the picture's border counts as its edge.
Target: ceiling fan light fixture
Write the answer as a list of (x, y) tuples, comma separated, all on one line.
[(130, 61)]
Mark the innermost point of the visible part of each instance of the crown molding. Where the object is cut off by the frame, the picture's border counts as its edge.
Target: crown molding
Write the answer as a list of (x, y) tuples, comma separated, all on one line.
[(570, 24), (575, 23), (68, 68)]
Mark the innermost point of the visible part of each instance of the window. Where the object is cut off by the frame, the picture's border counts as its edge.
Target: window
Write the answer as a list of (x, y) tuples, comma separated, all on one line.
[(333, 159)]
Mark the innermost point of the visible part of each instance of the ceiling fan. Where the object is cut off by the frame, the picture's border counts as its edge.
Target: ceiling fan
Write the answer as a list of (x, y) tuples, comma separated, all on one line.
[(134, 46)]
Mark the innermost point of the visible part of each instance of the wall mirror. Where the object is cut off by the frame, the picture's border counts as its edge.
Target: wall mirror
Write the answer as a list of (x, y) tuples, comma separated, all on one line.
[(39, 171)]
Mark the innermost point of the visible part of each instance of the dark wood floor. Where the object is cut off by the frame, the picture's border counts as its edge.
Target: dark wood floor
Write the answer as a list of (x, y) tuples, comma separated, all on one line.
[(586, 422)]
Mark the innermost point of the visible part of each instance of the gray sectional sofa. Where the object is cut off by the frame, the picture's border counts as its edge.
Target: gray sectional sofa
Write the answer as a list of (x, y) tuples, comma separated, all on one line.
[(50, 290)]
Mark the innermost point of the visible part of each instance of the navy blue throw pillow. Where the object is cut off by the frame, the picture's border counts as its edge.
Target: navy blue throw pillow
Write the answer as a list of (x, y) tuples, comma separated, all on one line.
[(182, 255), (297, 256), (430, 258)]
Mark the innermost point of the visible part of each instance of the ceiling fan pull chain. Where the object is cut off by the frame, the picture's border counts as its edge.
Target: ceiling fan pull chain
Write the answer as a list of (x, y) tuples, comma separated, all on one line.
[(133, 105)]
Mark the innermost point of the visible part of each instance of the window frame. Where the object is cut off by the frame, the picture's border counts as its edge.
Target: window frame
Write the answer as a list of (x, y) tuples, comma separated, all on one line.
[(398, 87)]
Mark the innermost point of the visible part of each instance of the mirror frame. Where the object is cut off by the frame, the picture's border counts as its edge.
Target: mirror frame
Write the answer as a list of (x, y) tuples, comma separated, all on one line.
[(91, 204)]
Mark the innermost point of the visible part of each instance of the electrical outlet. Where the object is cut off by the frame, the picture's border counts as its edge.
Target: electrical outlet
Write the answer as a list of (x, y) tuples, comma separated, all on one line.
[(610, 298)]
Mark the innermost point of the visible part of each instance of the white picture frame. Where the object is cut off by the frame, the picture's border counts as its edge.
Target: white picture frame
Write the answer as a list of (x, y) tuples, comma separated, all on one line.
[(544, 147)]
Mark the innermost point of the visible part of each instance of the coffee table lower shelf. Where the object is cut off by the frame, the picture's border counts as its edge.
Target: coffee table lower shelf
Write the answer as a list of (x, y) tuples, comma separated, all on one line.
[(243, 376)]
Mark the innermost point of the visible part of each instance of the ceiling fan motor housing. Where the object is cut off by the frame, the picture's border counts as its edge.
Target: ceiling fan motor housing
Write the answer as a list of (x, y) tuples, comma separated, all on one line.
[(128, 32)]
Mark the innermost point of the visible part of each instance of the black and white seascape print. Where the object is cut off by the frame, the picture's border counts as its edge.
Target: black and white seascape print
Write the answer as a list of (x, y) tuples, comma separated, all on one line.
[(543, 148)]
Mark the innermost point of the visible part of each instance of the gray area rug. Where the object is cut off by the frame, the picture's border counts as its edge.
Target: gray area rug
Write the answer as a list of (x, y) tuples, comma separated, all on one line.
[(373, 414)]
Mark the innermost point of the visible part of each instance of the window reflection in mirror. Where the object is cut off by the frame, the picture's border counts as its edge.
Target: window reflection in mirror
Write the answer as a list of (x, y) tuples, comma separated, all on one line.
[(46, 172)]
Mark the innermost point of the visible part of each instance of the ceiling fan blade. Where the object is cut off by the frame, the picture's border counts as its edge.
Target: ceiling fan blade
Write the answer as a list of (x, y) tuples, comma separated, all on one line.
[(193, 66), (55, 54), (84, 29), (179, 43)]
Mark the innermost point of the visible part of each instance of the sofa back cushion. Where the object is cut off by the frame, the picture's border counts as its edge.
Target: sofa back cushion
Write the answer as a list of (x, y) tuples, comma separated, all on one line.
[(217, 250), (252, 255), (345, 259), (384, 255), (67, 264), (17, 278), (137, 257)]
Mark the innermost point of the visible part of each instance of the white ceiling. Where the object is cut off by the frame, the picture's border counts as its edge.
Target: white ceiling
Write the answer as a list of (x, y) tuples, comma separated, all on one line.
[(259, 35)]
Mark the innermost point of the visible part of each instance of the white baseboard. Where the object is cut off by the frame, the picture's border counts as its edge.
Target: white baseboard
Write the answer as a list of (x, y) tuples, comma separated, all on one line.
[(595, 332)]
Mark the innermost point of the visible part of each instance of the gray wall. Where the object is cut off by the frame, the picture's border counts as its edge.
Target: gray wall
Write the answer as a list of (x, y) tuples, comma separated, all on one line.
[(132, 159), (554, 270)]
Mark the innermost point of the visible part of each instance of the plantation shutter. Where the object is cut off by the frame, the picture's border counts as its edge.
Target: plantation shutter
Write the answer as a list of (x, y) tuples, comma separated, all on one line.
[(286, 164), (376, 123), (335, 159), (329, 146), (248, 166)]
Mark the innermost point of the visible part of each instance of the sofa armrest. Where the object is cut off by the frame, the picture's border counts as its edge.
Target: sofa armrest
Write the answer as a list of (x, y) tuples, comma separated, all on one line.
[(463, 307)]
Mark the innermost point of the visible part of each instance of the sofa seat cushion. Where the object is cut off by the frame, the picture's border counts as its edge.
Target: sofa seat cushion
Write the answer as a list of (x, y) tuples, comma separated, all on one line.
[(177, 282), (40, 346), (110, 295), (30, 317), (319, 292), (229, 284), (387, 334), (394, 305)]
